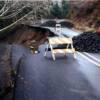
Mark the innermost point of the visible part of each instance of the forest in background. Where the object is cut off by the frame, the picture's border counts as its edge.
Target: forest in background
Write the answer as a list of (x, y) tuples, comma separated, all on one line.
[(84, 14)]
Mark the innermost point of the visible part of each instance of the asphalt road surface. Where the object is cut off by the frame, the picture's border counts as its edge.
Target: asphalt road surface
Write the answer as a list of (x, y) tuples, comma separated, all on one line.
[(64, 31), (41, 78)]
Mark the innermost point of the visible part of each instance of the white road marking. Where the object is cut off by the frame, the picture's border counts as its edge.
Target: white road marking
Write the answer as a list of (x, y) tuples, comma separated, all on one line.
[(96, 59), (72, 33), (90, 60)]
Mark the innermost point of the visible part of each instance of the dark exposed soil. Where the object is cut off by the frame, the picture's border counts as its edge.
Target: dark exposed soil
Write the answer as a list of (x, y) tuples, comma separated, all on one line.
[(66, 24), (29, 36), (87, 42), (22, 33), (49, 24)]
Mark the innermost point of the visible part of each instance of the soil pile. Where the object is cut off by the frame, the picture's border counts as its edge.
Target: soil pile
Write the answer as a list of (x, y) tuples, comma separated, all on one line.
[(87, 42), (66, 24)]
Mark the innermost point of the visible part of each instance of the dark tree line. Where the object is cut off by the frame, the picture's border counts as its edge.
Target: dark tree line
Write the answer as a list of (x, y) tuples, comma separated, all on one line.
[(60, 10)]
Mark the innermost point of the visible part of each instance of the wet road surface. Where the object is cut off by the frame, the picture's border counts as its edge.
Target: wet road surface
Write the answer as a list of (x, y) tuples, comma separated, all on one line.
[(41, 78), (65, 31)]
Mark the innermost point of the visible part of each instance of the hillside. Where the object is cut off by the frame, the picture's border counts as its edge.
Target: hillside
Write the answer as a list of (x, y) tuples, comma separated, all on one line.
[(85, 16)]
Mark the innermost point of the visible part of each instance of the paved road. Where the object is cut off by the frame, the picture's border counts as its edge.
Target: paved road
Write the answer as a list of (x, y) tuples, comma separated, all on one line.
[(65, 79), (96, 55), (65, 31)]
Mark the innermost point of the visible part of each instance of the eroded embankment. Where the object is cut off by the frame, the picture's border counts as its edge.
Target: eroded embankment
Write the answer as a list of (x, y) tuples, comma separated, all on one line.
[(29, 36)]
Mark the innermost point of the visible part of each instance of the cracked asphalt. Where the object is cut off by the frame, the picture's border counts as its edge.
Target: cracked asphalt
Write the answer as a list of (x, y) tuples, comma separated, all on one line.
[(41, 78)]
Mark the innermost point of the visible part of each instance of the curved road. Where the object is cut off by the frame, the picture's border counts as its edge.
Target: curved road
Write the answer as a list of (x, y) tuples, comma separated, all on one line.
[(41, 78)]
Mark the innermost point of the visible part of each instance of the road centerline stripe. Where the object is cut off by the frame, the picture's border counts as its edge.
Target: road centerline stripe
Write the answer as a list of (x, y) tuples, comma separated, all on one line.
[(87, 56), (90, 60), (96, 59)]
